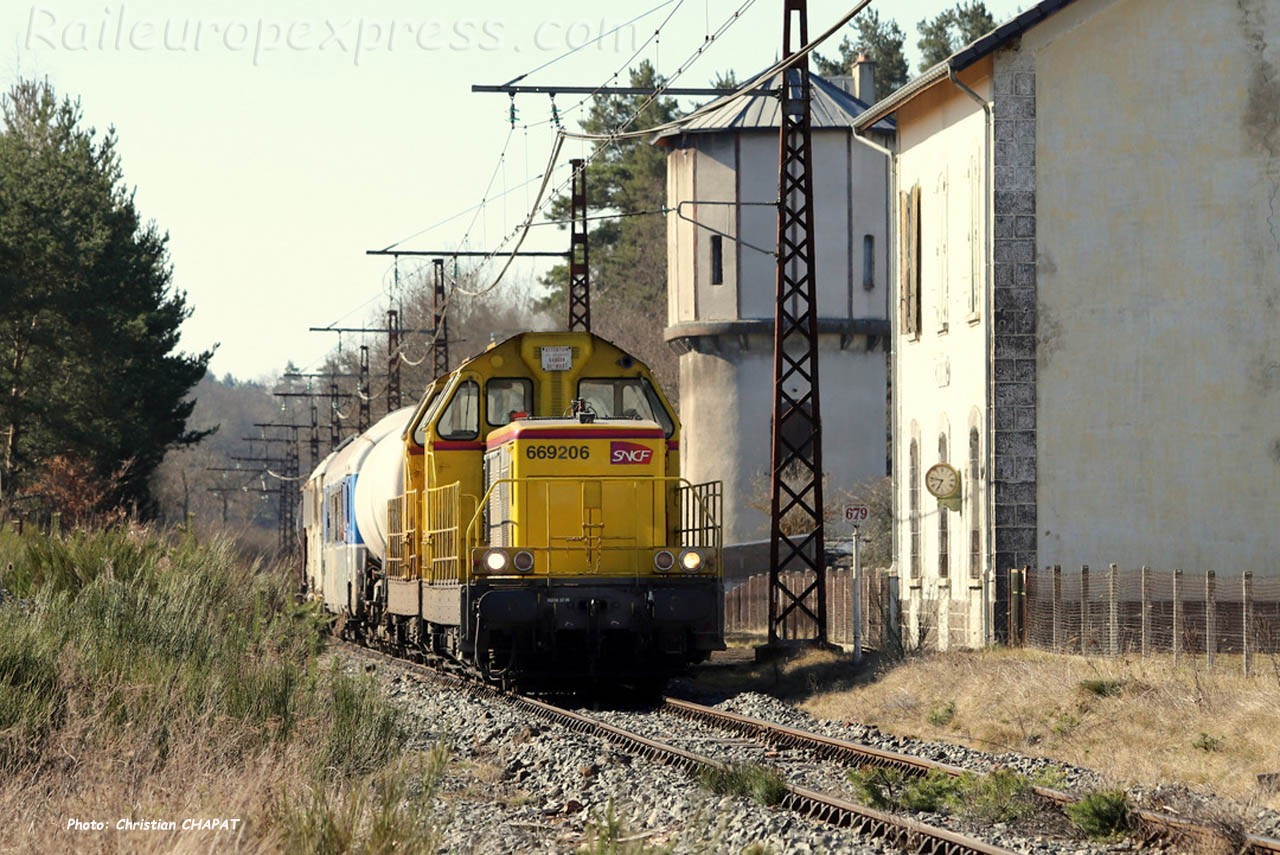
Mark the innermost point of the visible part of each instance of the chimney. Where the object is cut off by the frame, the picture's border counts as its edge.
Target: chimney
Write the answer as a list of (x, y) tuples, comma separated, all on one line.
[(864, 79)]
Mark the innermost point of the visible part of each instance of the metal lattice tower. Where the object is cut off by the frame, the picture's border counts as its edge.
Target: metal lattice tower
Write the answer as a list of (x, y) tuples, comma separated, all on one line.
[(288, 498), (579, 270), (439, 322), (362, 393), (314, 441), (393, 361), (335, 427), (796, 531)]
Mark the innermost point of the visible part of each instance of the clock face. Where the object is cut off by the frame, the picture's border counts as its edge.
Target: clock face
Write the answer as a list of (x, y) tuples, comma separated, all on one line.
[(942, 480)]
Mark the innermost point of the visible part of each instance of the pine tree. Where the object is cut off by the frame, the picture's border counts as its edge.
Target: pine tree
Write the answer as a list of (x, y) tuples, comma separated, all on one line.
[(88, 314), (628, 253), (951, 30), (882, 42)]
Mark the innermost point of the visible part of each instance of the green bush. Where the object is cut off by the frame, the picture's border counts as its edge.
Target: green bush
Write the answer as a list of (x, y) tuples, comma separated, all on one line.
[(759, 783), (1103, 688), (943, 714), (1101, 814), (891, 789), (1205, 742), (1001, 796)]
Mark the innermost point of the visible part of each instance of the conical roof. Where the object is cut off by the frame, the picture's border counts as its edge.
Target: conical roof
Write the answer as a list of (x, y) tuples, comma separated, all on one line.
[(830, 106)]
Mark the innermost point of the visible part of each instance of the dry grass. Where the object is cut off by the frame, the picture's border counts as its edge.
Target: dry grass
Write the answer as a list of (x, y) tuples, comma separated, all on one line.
[(143, 678), (1134, 720)]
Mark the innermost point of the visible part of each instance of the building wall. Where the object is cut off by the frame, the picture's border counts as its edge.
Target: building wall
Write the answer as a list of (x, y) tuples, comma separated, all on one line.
[(1013, 299), (940, 374), (1158, 268)]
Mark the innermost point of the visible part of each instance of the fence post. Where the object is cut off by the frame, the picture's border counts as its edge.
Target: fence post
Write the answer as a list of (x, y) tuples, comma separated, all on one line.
[(1028, 601), (1210, 618), (892, 623), (1057, 608), (1113, 628), (1084, 608), (1015, 607), (1247, 629), (857, 610), (1146, 611), (1177, 616)]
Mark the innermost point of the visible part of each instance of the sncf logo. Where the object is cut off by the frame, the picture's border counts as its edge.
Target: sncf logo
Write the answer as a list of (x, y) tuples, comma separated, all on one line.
[(629, 452)]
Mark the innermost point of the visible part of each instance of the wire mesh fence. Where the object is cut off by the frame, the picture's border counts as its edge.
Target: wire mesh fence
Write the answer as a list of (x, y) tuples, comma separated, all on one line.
[(862, 607), (1111, 611)]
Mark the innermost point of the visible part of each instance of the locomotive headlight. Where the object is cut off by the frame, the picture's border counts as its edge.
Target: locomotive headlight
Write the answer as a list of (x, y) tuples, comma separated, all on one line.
[(522, 561), (663, 561), (690, 561), (495, 560)]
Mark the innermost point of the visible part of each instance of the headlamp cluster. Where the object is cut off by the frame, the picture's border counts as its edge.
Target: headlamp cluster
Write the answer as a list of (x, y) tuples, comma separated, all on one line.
[(496, 561), (689, 560)]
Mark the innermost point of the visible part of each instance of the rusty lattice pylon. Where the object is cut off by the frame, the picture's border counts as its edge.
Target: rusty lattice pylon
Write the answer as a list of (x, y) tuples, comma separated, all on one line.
[(796, 535)]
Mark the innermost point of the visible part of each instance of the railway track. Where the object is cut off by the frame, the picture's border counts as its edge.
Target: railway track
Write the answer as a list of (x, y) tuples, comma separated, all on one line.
[(901, 832), (1152, 825)]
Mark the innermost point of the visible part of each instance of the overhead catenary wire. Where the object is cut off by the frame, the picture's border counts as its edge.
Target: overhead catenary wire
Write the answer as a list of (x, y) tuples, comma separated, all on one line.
[(556, 119), (610, 139), (521, 231), (596, 40), (754, 83)]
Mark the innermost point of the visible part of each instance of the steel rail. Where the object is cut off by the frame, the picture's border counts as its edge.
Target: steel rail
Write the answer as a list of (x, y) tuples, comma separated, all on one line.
[(903, 832), (1151, 825)]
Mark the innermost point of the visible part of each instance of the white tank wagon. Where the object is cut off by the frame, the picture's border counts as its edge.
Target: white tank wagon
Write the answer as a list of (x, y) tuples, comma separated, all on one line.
[(344, 510)]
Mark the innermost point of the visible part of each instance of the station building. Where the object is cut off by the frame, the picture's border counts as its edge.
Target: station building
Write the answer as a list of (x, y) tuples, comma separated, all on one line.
[(1086, 265)]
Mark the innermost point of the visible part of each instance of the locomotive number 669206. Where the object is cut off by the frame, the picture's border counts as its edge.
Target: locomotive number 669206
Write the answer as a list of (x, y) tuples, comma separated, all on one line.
[(557, 452)]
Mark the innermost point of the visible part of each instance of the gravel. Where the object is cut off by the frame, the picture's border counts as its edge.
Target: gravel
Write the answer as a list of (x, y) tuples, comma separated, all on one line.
[(520, 785)]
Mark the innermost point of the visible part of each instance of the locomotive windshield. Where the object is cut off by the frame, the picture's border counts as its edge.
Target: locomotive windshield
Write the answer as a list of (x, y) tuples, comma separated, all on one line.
[(625, 398), (428, 412), (461, 418), (508, 398)]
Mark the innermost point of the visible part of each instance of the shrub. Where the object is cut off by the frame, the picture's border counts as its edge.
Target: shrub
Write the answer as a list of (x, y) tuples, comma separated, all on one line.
[(1102, 813), (943, 714), (890, 789), (163, 665), (1103, 688), (1001, 796), (1205, 742), (760, 783)]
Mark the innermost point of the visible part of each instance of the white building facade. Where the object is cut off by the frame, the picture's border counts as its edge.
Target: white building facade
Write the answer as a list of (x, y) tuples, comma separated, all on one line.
[(1087, 255)]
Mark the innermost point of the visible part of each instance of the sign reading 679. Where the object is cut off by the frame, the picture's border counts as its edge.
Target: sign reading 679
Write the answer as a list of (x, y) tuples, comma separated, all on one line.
[(856, 514)]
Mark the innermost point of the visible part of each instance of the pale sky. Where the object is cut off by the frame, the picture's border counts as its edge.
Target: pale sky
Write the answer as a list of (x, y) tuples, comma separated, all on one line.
[(276, 142)]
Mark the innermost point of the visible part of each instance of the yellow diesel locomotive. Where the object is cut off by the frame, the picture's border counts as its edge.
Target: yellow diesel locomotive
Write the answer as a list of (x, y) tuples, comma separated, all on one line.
[(526, 519)]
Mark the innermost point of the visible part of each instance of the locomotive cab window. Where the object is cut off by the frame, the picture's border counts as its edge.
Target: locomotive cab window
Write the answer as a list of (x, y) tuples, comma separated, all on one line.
[(461, 417), (625, 398), (507, 399), (428, 412)]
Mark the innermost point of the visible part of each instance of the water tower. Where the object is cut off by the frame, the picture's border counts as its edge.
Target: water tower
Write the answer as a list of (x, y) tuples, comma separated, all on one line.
[(722, 189)]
